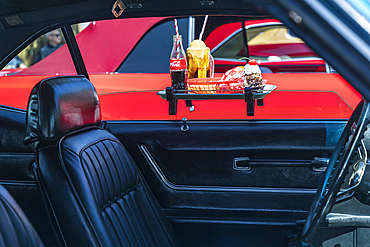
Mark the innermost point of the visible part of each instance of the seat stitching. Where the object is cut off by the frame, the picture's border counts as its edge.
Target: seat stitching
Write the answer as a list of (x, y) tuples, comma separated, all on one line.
[(90, 175), (115, 199), (122, 166), (114, 162), (108, 166), (103, 180), (105, 168)]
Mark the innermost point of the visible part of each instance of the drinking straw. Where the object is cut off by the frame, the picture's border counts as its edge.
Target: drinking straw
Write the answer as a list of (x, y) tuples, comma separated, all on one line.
[(204, 26), (178, 40)]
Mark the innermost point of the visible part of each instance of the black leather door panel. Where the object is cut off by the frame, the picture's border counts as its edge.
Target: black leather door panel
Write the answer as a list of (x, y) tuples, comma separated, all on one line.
[(280, 154), (194, 177), (217, 168)]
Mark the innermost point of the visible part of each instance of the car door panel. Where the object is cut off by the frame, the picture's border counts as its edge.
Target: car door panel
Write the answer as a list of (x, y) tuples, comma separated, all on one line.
[(194, 177), (186, 161)]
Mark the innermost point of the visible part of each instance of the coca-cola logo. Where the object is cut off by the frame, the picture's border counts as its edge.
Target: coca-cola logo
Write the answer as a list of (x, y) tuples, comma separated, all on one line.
[(178, 64)]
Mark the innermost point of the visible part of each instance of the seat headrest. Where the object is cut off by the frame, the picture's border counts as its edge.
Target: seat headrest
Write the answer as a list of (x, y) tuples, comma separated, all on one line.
[(60, 105)]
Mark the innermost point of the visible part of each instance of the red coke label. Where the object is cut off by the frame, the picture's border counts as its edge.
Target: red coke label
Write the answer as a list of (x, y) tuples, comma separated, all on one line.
[(178, 64)]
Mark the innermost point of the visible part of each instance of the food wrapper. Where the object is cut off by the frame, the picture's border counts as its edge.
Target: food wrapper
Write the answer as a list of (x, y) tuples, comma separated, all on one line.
[(234, 74)]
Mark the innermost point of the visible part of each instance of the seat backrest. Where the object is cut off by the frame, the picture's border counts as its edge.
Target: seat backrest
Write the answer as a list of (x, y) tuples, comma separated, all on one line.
[(15, 229), (92, 186)]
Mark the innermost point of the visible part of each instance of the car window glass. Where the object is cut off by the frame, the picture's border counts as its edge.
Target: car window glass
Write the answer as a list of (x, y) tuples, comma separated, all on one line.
[(128, 64), (271, 42), (47, 55)]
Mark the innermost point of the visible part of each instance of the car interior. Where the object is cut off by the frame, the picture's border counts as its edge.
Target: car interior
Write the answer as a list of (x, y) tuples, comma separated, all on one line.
[(68, 177)]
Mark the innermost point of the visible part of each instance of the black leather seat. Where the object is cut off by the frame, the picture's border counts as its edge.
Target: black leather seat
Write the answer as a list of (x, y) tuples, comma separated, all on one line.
[(93, 188), (15, 229)]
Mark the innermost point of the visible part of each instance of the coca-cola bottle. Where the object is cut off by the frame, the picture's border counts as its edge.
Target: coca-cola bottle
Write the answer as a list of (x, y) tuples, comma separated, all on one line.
[(178, 65)]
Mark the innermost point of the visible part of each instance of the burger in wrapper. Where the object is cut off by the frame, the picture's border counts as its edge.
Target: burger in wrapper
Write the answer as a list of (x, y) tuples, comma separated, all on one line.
[(232, 79)]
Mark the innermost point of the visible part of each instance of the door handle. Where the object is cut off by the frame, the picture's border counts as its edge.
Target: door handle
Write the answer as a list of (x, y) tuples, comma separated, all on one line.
[(242, 164), (320, 164)]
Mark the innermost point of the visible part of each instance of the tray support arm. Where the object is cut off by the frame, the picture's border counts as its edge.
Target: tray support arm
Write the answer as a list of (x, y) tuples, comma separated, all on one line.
[(172, 102), (250, 101)]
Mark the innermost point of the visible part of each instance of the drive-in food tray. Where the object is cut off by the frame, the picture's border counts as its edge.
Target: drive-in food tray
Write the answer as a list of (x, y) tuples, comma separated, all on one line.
[(208, 89), (257, 94)]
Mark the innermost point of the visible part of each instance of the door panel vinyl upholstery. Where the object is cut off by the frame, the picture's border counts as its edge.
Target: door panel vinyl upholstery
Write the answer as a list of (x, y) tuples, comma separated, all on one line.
[(194, 177)]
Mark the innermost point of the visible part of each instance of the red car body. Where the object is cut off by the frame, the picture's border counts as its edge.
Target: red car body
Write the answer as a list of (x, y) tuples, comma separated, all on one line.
[(118, 89)]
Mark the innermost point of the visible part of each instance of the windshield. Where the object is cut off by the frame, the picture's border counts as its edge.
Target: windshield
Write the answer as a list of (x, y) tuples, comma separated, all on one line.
[(358, 10)]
